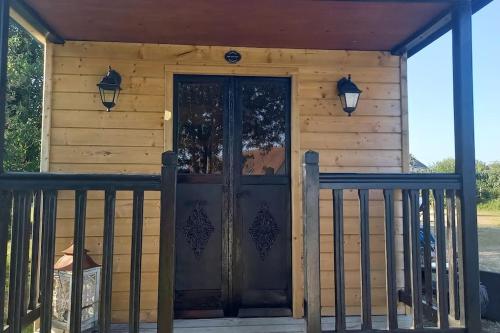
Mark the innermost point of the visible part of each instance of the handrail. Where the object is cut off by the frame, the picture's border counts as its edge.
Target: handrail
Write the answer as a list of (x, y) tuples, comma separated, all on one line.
[(384, 181), (78, 181)]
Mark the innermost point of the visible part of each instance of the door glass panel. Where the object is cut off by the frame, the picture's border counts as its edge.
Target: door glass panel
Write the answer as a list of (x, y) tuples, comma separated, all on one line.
[(263, 106), (200, 133)]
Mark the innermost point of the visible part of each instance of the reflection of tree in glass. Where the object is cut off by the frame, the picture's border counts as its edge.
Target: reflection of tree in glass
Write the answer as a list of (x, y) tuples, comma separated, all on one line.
[(200, 128), (264, 122)]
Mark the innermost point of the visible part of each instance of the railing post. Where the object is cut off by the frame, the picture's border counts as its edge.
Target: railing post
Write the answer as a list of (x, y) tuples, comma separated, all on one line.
[(312, 297), (465, 163), (5, 218), (167, 243), (4, 37)]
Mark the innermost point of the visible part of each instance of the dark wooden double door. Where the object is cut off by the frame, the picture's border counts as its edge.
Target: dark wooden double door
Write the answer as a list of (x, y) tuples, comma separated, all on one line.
[(233, 239)]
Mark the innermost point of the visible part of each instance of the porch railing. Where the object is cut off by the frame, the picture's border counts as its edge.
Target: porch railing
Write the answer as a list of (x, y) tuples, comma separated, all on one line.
[(433, 270), (28, 207)]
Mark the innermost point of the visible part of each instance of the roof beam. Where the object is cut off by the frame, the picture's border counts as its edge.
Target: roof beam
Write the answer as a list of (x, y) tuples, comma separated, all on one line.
[(435, 29), (33, 23)]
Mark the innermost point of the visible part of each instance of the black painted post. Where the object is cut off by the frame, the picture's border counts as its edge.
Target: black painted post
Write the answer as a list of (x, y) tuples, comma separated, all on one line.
[(167, 243), (311, 242), (4, 37), (5, 197), (465, 162)]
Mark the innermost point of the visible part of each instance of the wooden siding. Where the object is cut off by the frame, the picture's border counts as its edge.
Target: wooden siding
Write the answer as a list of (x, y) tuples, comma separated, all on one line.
[(83, 137)]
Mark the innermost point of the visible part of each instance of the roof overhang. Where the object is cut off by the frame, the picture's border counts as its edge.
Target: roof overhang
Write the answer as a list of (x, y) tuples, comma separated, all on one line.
[(398, 26)]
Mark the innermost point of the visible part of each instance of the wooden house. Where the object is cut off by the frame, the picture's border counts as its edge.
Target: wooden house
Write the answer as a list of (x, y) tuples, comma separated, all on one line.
[(237, 220)]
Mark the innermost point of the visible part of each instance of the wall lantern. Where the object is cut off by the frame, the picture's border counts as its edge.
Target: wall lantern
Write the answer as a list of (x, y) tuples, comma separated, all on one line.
[(349, 94), (109, 88), (61, 304)]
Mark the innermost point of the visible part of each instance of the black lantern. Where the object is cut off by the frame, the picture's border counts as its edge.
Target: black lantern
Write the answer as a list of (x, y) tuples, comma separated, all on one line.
[(349, 94), (109, 88)]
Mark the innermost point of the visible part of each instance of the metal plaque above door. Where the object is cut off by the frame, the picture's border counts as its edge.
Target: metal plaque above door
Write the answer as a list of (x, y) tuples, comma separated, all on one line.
[(233, 239)]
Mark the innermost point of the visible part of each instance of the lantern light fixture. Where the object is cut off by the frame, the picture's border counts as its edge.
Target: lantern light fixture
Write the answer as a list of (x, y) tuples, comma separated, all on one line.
[(61, 305), (109, 88), (349, 94)]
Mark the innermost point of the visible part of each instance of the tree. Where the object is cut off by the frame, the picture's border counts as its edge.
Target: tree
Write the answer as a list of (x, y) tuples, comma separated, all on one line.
[(24, 101), (487, 177)]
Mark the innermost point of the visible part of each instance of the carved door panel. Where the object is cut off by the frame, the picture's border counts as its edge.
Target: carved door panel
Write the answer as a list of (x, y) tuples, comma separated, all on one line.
[(233, 239)]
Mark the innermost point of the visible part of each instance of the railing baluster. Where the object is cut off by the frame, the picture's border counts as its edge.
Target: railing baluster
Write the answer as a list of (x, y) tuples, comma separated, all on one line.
[(406, 242), (135, 262), (78, 255), (26, 257), (17, 265), (426, 223), (392, 300), (107, 261), (47, 269), (442, 288), (366, 304), (338, 243), (416, 274), (452, 255), (35, 252), (5, 219), (166, 272)]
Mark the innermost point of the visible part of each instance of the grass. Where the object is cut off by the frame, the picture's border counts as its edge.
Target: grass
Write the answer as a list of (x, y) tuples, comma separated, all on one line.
[(489, 236), (491, 206)]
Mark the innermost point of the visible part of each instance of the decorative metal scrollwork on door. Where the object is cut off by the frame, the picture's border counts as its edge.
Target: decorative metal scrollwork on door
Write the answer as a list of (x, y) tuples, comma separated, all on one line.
[(198, 229), (264, 230)]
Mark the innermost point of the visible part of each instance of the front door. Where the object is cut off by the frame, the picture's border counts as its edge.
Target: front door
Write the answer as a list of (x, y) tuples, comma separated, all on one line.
[(233, 239)]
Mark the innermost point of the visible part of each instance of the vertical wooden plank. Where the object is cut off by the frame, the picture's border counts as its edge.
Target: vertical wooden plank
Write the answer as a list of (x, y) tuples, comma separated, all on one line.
[(390, 268), (405, 138), (5, 219), (78, 255), (35, 252), (136, 262), (442, 286), (366, 304), (26, 257), (452, 255), (312, 287), (416, 273), (465, 163), (338, 244), (426, 224), (47, 269), (406, 242), (107, 261), (47, 108), (166, 274), (18, 266)]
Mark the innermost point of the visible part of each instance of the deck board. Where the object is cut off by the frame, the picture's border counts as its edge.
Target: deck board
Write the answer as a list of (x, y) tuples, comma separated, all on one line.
[(258, 325)]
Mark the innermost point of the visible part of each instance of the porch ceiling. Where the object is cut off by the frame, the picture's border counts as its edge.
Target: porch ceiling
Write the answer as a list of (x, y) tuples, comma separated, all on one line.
[(315, 24)]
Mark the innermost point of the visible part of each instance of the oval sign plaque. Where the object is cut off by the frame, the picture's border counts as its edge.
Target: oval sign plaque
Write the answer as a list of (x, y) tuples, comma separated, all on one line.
[(232, 57)]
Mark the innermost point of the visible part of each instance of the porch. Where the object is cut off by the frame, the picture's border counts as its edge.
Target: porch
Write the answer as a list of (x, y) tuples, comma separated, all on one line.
[(354, 236)]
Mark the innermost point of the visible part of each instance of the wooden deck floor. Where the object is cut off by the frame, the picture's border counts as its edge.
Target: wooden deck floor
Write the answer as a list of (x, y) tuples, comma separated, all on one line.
[(258, 325)]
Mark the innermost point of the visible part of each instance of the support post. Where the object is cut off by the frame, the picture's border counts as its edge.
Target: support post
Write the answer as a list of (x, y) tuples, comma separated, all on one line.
[(312, 300), (465, 162), (167, 243), (4, 39)]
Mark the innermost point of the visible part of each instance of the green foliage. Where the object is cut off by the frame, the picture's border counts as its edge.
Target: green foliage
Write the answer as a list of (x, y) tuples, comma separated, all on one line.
[(487, 180), (24, 101)]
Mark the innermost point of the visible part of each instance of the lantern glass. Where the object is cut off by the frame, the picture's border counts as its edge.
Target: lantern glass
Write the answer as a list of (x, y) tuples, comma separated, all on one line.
[(62, 298)]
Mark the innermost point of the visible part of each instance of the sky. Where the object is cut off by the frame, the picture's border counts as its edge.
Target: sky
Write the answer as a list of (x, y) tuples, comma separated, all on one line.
[(430, 93)]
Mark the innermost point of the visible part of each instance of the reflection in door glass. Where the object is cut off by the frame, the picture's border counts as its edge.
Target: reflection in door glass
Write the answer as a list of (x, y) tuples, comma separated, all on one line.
[(263, 106), (200, 133)]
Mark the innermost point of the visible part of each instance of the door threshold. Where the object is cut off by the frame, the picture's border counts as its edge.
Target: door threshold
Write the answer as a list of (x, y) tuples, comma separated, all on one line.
[(264, 312)]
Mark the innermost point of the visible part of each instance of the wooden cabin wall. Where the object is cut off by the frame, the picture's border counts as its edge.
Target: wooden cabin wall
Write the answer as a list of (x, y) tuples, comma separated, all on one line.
[(83, 137)]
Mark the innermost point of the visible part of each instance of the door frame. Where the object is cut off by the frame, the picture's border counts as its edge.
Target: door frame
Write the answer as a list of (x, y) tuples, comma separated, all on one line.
[(291, 72)]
